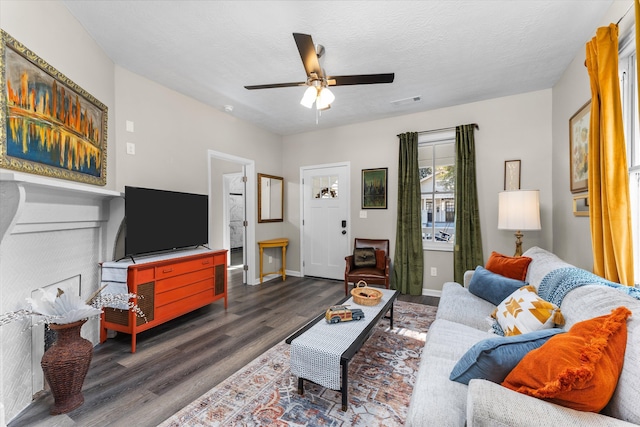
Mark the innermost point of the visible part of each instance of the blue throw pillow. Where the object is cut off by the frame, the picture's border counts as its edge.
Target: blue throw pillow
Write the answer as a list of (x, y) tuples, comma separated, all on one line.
[(493, 287), (493, 358)]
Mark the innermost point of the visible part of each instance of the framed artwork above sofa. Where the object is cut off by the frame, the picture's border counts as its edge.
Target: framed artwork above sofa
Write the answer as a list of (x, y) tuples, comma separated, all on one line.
[(579, 148)]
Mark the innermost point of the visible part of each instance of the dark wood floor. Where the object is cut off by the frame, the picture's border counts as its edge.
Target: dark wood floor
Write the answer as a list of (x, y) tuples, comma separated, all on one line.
[(177, 362)]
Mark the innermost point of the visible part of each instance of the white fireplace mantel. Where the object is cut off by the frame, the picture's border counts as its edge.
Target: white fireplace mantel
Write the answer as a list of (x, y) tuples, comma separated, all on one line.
[(53, 204)]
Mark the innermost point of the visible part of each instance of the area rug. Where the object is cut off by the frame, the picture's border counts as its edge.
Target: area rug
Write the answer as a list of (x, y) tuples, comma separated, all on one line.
[(264, 392)]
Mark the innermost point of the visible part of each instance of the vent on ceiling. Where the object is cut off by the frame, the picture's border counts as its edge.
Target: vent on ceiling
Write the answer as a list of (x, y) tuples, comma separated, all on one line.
[(406, 101)]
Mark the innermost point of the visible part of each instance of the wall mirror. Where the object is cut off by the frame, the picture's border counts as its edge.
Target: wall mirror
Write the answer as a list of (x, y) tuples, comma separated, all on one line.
[(270, 198)]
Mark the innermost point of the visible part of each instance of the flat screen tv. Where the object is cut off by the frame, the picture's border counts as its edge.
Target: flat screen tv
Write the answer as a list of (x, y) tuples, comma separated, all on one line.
[(160, 220)]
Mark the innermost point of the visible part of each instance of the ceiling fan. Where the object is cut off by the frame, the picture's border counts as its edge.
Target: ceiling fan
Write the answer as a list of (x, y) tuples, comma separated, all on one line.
[(318, 83)]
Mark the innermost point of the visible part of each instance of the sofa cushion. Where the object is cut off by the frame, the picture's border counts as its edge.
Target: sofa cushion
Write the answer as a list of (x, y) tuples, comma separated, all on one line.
[(579, 369), (493, 358), (508, 266), (437, 401), (364, 257), (459, 305), (493, 287), (489, 405), (542, 263), (524, 311)]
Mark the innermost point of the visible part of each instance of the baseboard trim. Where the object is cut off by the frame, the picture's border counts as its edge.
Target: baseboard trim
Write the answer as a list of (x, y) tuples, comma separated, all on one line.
[(293, 273), (431, 293), (270, 276)]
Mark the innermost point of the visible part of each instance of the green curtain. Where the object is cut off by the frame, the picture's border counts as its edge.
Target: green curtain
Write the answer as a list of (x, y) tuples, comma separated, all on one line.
[(408, 258), (467, 254)]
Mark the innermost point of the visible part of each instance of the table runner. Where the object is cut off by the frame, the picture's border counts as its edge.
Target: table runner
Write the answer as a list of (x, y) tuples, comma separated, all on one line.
[(315, 355)]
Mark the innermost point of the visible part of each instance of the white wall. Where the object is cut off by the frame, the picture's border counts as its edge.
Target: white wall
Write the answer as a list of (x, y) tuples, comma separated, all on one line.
[(571, 234), (515, 127), (172, 136)]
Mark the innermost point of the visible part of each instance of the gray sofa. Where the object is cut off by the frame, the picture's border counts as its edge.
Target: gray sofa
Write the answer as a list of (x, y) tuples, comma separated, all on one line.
[(461, 322)]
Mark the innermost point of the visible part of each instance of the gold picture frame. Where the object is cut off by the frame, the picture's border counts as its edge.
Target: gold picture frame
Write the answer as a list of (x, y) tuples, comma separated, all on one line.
[(579, 149), (581, 205), (48, 124)]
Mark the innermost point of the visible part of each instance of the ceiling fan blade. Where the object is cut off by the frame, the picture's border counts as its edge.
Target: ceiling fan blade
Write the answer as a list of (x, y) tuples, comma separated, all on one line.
[(308, 54), (275, 85), (360, 79)]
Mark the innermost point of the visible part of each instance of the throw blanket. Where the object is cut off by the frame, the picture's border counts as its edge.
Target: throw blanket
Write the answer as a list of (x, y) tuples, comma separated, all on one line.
[(557, 283)]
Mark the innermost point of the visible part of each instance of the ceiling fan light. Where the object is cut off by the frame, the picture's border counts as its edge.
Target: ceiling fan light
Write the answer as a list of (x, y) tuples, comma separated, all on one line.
[(326, 96), (309, 97)]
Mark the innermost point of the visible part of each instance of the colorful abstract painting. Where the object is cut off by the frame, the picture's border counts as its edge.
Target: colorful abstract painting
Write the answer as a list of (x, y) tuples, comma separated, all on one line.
[(49, 125)]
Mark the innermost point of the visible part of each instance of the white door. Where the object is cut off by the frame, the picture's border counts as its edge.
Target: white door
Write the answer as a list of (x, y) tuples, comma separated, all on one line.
[(325, 228)]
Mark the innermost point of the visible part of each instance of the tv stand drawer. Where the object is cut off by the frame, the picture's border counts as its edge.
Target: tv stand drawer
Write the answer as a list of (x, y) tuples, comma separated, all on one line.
[(176, 268)]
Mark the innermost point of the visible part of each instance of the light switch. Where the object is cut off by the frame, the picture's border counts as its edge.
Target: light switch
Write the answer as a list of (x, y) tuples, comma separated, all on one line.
[(131, 148), (363, 214), (129, 126)]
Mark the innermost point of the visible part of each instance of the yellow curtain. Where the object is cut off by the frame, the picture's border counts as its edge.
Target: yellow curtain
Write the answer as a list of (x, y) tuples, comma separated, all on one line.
[(609, 205)]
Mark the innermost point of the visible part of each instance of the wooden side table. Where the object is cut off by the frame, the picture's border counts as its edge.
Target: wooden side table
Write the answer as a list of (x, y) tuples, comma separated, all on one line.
[(274, 243)]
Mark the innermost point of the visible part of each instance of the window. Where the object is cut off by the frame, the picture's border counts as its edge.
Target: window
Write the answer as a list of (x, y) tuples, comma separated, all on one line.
[(628, 87), (436, 167)]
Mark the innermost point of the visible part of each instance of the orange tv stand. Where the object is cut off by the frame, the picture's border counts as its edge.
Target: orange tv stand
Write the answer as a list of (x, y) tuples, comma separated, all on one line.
[(169, 286)]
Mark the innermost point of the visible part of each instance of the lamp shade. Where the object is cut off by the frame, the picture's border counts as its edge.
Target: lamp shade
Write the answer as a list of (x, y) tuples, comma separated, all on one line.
[(309, 96), (325, 98), (519, 210)]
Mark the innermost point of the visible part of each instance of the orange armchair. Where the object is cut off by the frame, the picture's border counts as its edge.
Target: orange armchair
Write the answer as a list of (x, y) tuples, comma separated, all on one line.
[(377, 274)]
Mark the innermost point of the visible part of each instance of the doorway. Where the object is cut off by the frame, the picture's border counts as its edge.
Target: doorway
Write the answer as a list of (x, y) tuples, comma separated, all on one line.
[(325, 232), (220, 166), (235, 217)]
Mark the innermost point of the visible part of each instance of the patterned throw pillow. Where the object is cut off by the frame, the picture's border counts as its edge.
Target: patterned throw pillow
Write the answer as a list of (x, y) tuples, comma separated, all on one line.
[(364, 257), (514, 267), (578, 369), (524, 311)]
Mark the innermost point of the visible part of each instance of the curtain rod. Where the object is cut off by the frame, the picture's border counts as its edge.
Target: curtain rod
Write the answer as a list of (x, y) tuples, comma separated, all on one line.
[(449, 128), (625, 14)]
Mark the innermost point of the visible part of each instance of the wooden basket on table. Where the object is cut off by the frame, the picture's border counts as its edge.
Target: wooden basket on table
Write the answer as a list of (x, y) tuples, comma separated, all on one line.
[(364, 295)]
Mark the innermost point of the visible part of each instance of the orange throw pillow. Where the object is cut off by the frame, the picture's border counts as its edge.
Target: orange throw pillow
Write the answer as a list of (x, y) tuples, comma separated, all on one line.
[(578, 369), (508, 266)]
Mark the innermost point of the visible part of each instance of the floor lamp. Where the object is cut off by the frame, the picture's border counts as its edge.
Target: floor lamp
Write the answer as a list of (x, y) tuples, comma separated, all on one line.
[(519, 210)]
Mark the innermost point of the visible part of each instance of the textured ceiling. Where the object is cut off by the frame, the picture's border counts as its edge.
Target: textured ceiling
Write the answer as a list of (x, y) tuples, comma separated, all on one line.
[(446, 52)]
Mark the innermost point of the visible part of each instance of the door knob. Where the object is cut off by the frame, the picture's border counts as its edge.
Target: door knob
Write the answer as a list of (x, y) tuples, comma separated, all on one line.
[(344, 231)]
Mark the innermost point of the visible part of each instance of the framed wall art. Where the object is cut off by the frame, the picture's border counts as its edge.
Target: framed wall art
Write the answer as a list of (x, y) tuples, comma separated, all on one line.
[(579, 148), (48, 124), (581, 205), (511, 175), (374, 188)]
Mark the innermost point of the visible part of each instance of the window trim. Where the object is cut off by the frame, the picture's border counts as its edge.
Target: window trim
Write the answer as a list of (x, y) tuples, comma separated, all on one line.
[(628, 67)]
